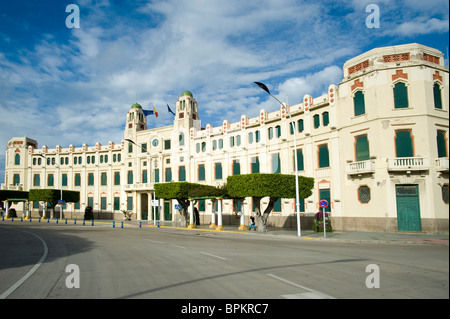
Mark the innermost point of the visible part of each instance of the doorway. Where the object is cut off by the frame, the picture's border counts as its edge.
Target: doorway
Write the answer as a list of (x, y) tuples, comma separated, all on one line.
[(408, 208)]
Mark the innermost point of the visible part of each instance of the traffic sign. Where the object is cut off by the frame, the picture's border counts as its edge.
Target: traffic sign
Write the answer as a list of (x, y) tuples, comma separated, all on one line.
[(177, 206), (62, 202), (323, 203)]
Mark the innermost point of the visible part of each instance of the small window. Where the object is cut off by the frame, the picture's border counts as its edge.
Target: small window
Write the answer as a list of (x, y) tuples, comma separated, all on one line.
[(144, 148), (359, 104), (270, 133), (324, 159), (167, 144), (17, 159), (364, 194), (181, 139), (218, 170), (301, 126), (91, 179), (316, 121), (401, 96), (278, 130), (325, 118), (250, 138), (182, 174), (437, 96), (201, 172)]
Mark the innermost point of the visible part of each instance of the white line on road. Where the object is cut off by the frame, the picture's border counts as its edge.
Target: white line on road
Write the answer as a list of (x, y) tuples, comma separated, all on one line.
[(312, 294), (178, 246), (213, 255), (32, 270)]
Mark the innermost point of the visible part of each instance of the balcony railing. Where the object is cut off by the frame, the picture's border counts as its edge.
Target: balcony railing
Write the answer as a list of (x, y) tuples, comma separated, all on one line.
[(442, 164), (408, 164), (361, 167), (11, 187)]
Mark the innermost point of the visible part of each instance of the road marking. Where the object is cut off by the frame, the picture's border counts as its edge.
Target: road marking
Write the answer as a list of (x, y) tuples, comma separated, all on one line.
[(178, 246), (312, 294), (154, 241), (213, 255), (32, 270)]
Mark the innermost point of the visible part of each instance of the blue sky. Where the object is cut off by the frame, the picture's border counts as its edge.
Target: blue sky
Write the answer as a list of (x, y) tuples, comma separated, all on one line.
[(63, 86)]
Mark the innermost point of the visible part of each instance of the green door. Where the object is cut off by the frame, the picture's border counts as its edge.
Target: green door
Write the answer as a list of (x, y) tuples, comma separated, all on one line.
[(408, 208), (167, 212)]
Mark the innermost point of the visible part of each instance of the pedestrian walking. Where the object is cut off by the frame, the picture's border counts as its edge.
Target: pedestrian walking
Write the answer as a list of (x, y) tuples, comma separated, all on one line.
[(252, 225)]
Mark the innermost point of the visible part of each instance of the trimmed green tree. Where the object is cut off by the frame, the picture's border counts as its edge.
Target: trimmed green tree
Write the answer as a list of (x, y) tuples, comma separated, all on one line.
[(183, 191), (52, 196), (273, 186)]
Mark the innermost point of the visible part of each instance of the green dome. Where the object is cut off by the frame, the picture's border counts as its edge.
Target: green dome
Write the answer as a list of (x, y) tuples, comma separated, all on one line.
[(136, 106), (186, 93)]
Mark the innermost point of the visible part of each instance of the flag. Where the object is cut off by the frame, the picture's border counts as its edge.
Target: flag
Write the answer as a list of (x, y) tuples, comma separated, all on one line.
[(150, 112), (170, 111)]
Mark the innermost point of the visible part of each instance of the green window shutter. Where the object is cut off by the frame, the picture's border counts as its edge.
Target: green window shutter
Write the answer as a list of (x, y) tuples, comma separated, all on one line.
[(270, 133), (302, 204), (103, 203), (130, 203), (250, 138), (181, 139), (437, 96), (91, 201), (77, 180), (104, 179), (220, 144), (291, 128), (168, 174), (182, 174), (17, 179), (255, 165), (236, 167), (362, 148), (400, 96), (77, 205), (91, 179), (50, 180), (116, 203), (214, 145), (324, 159), (201, 205), (201, 172), (257, 136), (441, 144), (276, 163), (316, 121), (130, 177), (218, 171), (403, 144), (143, 147), (157, 175), (231, 141), (325, 118), (278, 130), (116, 178), (17, 159), (64, 180), (144, 176), (301, 126), (300, 163), (37, 180), (130, 148), (359, 104), (277, 206), (197, 147)]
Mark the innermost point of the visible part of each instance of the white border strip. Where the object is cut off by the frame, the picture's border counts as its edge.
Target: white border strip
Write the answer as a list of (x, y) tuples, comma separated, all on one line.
[(32, 270)]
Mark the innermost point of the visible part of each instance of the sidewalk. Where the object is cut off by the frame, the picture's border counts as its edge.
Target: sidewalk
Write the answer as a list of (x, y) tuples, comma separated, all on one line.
[(336, 236)]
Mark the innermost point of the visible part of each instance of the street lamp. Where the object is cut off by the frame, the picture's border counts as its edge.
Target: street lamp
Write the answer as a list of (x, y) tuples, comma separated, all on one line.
[(297, 197)]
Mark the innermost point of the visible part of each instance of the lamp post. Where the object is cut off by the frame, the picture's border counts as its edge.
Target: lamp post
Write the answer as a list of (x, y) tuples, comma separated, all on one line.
[(297, 197)]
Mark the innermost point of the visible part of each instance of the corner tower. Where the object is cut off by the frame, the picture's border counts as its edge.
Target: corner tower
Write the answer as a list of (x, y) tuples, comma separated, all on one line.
[(187, 112), (136, 121)]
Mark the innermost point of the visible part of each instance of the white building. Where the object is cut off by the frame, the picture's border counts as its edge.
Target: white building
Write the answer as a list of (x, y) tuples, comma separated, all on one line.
[(376, 144)]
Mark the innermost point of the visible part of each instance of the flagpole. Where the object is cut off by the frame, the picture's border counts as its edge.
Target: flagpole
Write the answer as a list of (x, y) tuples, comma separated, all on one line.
[(297, 196)]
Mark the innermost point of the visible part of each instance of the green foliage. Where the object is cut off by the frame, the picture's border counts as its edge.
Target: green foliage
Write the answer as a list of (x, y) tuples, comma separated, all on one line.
[(53, 195), (10, 194), (185, 190), (268, 185)]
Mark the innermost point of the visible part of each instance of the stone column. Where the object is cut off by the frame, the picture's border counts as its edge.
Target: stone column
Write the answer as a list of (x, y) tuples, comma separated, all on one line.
[(191, 215), (219, 215), (213, 214)]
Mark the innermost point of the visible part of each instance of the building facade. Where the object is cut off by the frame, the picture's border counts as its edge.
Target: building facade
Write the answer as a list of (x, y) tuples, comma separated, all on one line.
[(376, 144)]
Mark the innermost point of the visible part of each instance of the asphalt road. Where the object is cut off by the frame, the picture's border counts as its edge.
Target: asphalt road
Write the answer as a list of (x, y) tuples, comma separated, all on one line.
[(189, 264)]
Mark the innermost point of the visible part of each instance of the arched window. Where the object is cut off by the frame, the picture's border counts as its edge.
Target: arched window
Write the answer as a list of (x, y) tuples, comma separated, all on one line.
[(17, 159), (359, 104), (181, 139), (437, 96), (401, 96)]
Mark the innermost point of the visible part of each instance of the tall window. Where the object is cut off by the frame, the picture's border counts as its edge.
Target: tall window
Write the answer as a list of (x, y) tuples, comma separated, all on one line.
[(103, 179), (156, 175), (400, 96), (270, 133), (17, 159), (324, 158), (143, 147), (64, 180), (441, 144), (116, 203), (103, 203), (257, 136), (77, 179), (255, 165), (300, 160), (404, 144), (91, 179), (37, 180), (17, 179), (201, 172), (362, 148), (168, 174), (116, 178), (144, 176), (316, 119), (359, 104), (301, 126), (278, 131), (50, 181), (130, 177), (181, 139), (325, 118), (182, 174), (437, 96), (276, 163), (236, 167), (218, 170)]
